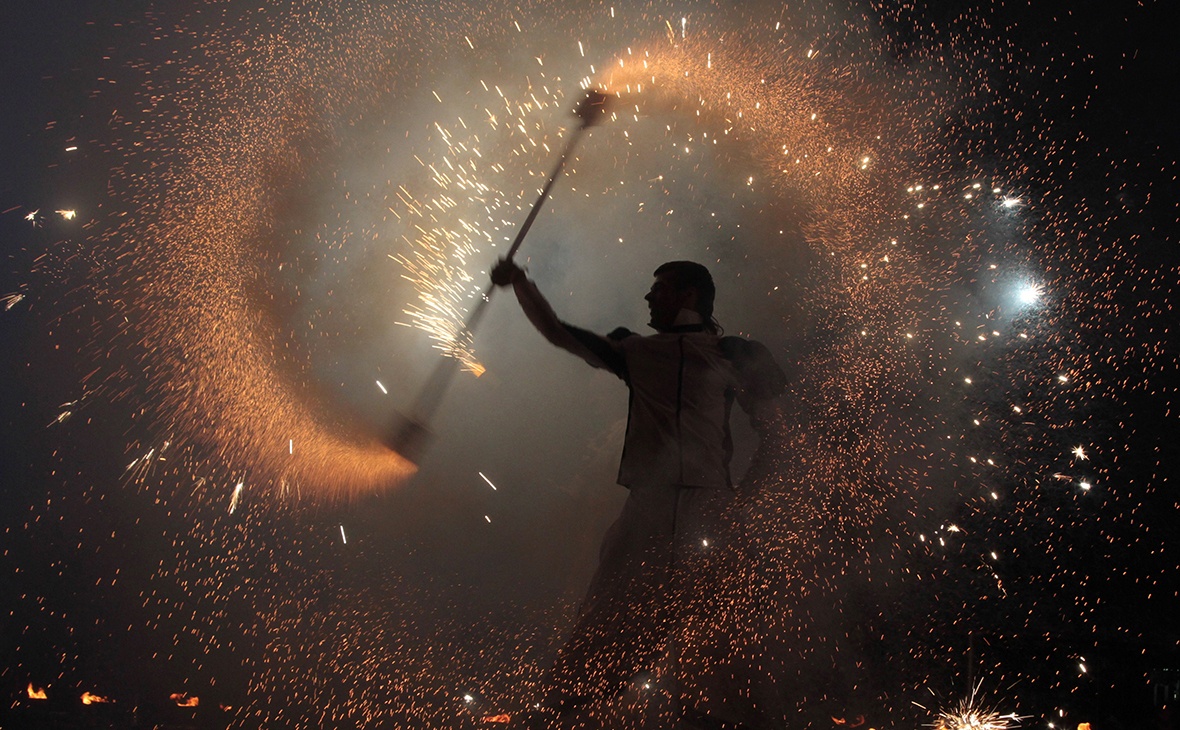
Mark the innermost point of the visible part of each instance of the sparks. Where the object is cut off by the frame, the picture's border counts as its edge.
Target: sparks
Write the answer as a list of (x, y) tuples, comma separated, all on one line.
[(237, 495), (969, 716)]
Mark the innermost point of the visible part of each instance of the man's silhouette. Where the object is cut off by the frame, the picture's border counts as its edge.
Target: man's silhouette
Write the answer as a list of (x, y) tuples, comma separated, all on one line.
[(683, 382)]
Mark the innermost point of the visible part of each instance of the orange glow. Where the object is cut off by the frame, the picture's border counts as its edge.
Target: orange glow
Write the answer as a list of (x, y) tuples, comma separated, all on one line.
[(89, 699), (36, 693), (504, 717), (183, 700), (1083, 726)]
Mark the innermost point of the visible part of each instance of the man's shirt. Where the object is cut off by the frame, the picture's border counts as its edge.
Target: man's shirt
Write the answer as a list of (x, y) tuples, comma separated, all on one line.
[(683, 385)]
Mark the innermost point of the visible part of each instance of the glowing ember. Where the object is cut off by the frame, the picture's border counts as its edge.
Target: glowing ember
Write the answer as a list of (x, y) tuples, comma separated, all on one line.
[(93, 699), (36, 693)]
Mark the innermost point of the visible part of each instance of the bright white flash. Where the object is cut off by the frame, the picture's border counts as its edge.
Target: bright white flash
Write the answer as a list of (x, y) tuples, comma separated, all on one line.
[(1028, 294)]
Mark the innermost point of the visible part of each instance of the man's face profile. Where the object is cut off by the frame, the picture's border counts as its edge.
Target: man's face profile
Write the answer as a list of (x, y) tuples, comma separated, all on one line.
[(665, 301)]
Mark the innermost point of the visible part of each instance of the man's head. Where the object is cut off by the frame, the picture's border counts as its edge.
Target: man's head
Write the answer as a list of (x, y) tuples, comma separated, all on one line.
[(681, 285)]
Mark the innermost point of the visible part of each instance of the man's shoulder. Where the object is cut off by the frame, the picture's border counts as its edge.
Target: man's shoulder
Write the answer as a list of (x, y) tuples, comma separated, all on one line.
[(755, 365), (741, 348)]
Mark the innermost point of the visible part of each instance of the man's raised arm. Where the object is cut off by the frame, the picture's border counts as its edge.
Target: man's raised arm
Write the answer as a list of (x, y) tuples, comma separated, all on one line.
[(594, 349)]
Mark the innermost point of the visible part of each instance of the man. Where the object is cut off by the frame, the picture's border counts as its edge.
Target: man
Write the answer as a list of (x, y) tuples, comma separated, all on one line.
[(683, 381)]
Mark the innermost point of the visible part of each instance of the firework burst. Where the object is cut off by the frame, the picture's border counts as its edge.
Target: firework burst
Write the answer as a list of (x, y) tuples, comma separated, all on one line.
[(970, 714)]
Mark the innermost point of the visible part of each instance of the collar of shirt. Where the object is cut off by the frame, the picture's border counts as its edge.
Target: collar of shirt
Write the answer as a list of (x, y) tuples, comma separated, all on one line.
[(686, 321)]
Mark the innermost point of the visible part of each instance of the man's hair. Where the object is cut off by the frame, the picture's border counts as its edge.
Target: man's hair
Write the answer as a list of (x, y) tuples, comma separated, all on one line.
[(690, 273)]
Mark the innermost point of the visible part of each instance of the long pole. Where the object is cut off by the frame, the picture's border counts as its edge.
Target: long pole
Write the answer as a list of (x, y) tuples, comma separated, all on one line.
[(436, 385), (409, 435)]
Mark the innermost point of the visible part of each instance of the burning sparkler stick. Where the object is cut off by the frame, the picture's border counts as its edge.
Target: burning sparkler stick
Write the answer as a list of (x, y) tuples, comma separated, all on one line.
[(409, 435)]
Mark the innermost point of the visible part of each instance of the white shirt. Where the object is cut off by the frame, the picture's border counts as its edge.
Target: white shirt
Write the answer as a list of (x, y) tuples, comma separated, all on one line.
[(683, 384), (682, 389)]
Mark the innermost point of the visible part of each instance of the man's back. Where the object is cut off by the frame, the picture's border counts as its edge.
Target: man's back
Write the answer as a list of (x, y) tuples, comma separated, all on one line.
[(682, 389)]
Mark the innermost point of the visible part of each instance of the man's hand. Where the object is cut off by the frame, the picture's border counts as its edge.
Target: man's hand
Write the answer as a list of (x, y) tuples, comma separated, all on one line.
[(506, 272)]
